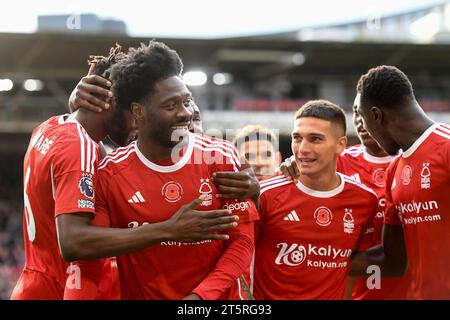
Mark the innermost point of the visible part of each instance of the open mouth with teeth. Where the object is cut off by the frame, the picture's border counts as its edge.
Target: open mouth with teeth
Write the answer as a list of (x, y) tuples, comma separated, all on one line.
[(182, 127), (306, 161)]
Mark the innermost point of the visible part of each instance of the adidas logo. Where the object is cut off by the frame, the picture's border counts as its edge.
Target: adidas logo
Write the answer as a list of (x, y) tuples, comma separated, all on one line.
[(137, 198), (292, 216)]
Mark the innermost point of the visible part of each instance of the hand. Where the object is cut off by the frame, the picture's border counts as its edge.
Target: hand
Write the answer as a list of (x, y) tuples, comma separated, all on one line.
[(90, 93), (188, 225), (289, 169), (237, 185), (192, 296)]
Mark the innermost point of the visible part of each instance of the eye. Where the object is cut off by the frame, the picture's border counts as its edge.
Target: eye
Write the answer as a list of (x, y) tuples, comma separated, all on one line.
[(187, 103), (268, 154)]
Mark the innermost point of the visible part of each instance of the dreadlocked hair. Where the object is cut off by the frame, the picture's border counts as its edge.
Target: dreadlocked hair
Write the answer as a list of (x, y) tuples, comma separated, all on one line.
[(103, 64)]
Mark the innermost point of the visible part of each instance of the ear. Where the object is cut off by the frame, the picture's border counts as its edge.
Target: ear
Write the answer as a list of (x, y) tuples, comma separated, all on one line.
[(342, 144), (377, 114), (138, 111)]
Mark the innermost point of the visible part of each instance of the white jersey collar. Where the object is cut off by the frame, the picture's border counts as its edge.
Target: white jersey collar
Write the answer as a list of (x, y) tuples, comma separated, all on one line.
[(322, 194), (165, 169)]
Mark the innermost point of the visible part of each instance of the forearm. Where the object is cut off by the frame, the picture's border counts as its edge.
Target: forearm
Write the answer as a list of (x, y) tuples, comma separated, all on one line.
[(390, 265), (92, 242), (349, 287), (233, 263)]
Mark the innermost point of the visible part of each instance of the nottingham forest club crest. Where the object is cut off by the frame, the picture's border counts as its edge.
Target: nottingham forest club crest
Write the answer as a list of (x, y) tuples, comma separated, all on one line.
[(87, 185), (172, 191), (205, 190)]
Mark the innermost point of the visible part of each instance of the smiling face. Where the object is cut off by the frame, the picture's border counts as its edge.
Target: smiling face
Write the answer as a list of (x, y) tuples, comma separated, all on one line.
[(316, 144), (165, 117)]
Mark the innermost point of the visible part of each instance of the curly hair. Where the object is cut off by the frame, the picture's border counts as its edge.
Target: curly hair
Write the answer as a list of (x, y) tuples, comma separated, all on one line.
[(325, 110), (103, 64), (134, 78), (385, 86)]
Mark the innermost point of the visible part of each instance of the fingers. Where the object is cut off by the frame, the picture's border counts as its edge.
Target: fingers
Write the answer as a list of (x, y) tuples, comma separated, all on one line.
[(231, 196), (223, 220), (91, 68), (216, 237), (227, 182), (215, 213), (97, 80), (295, 169), (194, 204), (230, 175), (84, 104), (222, 227), (290, 170), (99, 103), (235, 190), (94, 88), (244, 163)]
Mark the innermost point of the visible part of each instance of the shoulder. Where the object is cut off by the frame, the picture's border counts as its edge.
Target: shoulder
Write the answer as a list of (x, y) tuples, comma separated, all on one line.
[(223, 151), (274, 186), (359, 187), (117, 160), (442, 132), (353, 151)]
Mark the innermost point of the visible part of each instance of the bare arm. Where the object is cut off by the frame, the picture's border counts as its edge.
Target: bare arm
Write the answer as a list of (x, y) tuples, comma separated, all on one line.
[(390, 256), (79, 240)]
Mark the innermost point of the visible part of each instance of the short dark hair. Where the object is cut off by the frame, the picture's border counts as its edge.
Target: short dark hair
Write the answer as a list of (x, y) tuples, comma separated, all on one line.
[(385, 86), (325, 110), (134, 78), (103, 64)]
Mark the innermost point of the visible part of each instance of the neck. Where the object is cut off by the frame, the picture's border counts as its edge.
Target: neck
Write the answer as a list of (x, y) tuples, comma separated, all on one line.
[(376, 151), (323, 181), (91, 122), (410, 126), (154, 151)]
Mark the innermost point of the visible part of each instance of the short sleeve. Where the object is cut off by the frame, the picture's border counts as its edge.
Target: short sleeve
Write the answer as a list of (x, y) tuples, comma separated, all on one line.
[(74, 174)]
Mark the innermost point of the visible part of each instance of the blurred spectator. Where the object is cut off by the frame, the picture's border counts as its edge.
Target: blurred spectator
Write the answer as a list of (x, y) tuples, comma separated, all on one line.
[(11, 238)]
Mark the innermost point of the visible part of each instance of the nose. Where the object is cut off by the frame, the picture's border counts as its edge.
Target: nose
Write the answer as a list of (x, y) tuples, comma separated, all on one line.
[(185, 114), (304, 147), (257, 162)]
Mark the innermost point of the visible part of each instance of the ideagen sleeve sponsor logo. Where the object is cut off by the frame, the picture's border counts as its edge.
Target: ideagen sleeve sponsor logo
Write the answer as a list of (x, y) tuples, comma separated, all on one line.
[(239, 206)]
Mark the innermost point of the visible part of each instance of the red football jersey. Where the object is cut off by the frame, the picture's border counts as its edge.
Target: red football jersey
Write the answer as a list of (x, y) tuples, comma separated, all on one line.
[(356, 163), (417, 196), (306, 238), (134, 191), (59, 177)]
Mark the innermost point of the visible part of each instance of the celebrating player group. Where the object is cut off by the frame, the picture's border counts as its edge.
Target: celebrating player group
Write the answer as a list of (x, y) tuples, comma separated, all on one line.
[(125, 197)]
